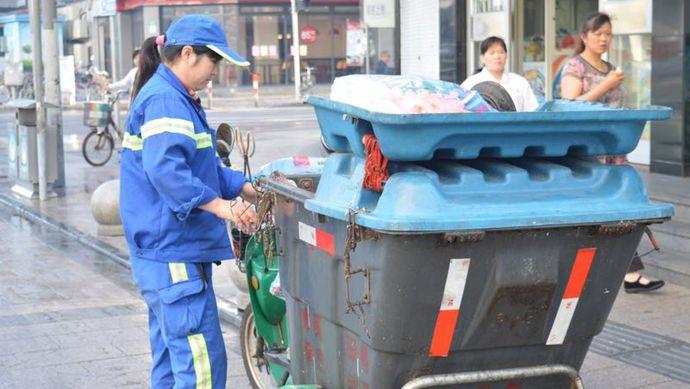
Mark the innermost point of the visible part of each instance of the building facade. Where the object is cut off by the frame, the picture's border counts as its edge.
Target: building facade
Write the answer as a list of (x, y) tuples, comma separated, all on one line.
[(337, 37), (541, 35)]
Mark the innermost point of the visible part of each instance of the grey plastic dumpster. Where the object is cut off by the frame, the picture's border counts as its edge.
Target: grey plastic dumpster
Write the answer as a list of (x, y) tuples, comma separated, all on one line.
[(458, 266)]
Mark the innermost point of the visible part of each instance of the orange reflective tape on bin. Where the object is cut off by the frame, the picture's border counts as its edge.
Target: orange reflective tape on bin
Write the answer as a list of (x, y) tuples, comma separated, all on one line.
[(317, 238), (571, 296), (450, 307)]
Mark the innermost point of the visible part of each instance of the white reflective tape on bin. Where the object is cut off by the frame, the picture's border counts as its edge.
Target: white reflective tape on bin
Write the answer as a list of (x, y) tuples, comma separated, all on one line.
[(571, 296), (450, 307), (318, 238)]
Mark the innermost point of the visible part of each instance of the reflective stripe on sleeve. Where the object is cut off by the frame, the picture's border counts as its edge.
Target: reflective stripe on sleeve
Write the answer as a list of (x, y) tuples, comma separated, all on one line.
[(203, 140), (178, 272), (202, 365), (132, 142), (175, 126)]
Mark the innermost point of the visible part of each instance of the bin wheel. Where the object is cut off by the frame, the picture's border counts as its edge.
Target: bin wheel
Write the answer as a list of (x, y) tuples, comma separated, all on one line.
[(98, 147), (253, 347)]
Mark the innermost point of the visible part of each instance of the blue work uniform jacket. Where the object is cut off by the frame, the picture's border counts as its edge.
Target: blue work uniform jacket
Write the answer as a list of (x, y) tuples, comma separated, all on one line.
[(168, 168)]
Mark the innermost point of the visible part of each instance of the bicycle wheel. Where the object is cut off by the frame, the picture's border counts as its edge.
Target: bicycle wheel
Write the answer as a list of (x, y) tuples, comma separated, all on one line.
[(97, 147), (26, 91), (4, 94)]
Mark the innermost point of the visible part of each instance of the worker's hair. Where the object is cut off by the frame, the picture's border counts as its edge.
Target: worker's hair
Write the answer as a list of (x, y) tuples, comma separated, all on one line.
[(135, 53), (592, 23), (151, 58)]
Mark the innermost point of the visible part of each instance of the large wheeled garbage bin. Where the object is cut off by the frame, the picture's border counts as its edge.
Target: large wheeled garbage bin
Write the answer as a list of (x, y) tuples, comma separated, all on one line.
[(483, 266)]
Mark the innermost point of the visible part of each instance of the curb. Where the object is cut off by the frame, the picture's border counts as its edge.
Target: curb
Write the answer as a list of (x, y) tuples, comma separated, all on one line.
[(226, 310)]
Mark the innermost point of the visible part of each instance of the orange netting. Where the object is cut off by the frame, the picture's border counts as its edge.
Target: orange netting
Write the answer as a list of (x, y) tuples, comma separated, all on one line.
[(375, 166)]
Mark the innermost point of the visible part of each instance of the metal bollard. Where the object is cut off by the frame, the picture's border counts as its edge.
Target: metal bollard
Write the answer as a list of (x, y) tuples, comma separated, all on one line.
[(255, 88), (209, 91)]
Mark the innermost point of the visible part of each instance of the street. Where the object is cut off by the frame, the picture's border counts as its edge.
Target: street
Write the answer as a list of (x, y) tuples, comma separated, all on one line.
[(71, 318)]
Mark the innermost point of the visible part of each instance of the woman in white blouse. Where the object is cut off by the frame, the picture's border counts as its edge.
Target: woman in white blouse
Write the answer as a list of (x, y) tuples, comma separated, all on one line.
[(493, 55)]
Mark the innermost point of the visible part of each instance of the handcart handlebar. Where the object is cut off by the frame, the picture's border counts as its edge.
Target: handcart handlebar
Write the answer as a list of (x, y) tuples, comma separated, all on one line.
[(495, 375)]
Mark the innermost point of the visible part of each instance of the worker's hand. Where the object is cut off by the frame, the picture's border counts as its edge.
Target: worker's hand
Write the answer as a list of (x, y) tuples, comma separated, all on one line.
[(248, 193), (614, 79), (238, 212), (244, 216)]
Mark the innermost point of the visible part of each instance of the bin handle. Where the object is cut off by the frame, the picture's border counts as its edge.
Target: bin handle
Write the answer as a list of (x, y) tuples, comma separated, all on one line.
[(495, 375)]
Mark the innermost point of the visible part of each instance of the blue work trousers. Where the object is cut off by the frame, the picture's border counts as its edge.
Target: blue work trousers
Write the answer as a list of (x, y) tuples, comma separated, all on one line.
[(186, 341)]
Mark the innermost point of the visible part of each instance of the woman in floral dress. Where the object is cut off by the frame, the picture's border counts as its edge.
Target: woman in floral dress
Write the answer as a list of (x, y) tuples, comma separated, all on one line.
[(588, 77)]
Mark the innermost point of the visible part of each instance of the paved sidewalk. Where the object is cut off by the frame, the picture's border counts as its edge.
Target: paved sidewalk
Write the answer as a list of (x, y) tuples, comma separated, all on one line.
[(70, 318), (55, 332)]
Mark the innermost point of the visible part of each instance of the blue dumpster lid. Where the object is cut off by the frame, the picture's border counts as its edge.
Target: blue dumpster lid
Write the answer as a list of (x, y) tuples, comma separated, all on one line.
[(485, 194), (558, 128)]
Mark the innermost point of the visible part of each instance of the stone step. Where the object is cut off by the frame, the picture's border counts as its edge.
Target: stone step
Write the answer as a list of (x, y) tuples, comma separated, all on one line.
[(668, 266), (673, 235), (681, 207)]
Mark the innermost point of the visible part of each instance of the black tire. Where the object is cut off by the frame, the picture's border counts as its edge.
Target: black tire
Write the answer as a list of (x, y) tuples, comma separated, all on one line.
[(250, 342), (97, 148), (495, 95)]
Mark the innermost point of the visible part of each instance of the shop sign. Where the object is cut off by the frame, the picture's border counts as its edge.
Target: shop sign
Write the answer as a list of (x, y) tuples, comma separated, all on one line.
[(308, 34), (379, 13), (356, 44), (105, 7), (12, 3), (153, 27)]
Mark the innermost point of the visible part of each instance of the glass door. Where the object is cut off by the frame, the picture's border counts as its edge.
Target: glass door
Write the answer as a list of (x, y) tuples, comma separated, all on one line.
[(530, 51), (486, 18), (631, 51)]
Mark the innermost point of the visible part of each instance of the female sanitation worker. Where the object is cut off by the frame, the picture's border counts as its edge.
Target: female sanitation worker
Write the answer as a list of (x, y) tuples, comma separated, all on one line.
[(175, 197)]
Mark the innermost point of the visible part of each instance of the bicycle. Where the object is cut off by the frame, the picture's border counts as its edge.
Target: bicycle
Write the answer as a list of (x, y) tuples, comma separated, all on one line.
[(307, 82), (26, 91), (89, 82), (98, 145)]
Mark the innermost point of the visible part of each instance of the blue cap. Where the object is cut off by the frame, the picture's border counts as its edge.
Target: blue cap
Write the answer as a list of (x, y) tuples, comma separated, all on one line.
[(200, 30)]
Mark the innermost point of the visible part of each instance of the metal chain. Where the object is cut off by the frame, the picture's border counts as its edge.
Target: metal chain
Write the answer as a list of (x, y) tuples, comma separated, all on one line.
[(352, 237), (267, 230)]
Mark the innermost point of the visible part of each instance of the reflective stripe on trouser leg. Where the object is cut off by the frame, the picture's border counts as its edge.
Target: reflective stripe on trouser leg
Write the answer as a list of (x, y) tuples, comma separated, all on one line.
[(178, 272), (202, 366)]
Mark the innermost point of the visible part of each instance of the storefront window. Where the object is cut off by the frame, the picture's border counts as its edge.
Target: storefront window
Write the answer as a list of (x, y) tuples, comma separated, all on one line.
[(170, 13), (378, 24), (533, 47), (137, 28), (265, 47), (320, 43), (334, 40), (631, 52), (448, 56), (488, 5)]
